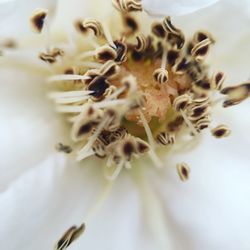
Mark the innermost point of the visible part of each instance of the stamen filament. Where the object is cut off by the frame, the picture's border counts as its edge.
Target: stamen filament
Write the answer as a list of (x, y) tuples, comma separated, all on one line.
[(188, 122), (67, 77), (85, 150)]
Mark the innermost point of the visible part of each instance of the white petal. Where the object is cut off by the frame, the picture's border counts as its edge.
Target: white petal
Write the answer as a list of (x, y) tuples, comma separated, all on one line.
[(46, 201), (14, 15), (212, 207), (175, 7), (230, 32), (29, 128)]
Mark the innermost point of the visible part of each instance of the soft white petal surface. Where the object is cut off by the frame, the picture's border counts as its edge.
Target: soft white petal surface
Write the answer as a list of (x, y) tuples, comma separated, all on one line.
[(51, 197), (175, 7), (27, 123)]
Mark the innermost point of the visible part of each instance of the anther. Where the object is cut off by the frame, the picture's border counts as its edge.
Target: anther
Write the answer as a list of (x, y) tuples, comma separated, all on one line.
[(221, 131), (105, 53), (236, 94), (183, 171), (131, 24), (165, 138), (127, 5), (37, 20), (200, 50), (121, 51), (158, 30), (161, 74), (218, 80), (51, 57), (94, 25), (69, 237), (98, 87), (109, 69), (63, 148), (142, 43), (79, 25), (181, 102)]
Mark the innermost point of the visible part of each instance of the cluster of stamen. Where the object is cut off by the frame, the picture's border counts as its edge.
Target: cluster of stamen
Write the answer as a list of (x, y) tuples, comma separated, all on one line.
[(132, 92)]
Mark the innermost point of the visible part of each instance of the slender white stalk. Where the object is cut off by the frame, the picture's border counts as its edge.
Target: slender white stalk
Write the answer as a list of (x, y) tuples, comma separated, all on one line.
[(66, 77), (189, 124), (110, 103), (107, 34), (116, 172), (151, 152), (69, 94), (82, 153), (116, 93)]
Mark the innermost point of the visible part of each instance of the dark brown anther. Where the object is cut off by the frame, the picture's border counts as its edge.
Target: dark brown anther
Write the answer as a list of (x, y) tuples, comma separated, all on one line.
[(183, 171), (63, 148), (218, 80), (130, 23), (142, 43), (160, 75), (105, 53), (200, 50), (121, 51), (202, 123), (37, 20), (201, 86), (70, 236), (200, 36), (128, 149), (80, 27), (142, 147), (51, 56), (98, 85), (175, 124), (221, 131), (85, 129), (94, 25), (158, 30), (172, 56), (181, 102), (176, 40), (236, 94), (109, 69), (165, 138), (181, 66)]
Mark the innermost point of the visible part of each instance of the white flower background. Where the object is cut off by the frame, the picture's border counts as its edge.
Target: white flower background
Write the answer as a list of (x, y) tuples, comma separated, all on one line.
[(42, 193)]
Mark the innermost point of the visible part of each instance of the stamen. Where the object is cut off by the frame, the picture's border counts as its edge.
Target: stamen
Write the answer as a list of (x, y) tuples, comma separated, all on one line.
[(183, 171), (188, 122), (66, 77), (85, 150), (37, 20), (69, 237), (221, 131), (151, 152), (108, 35), (161, 75)]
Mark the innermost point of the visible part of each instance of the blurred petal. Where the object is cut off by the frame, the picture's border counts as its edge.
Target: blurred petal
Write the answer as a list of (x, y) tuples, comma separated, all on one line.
[(55, 195), (175, 7), (29, 128), (212, 207), (14, 15), (232, 36), (45, 201)]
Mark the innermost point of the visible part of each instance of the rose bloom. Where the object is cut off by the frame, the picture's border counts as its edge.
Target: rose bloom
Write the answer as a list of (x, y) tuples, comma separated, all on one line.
[(112, 118)]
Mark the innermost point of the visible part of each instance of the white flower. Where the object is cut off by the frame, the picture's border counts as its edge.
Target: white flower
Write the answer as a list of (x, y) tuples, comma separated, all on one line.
[(43, 193)]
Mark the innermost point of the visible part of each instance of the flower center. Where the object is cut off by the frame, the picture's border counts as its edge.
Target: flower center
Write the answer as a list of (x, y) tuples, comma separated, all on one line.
[(134, 91)]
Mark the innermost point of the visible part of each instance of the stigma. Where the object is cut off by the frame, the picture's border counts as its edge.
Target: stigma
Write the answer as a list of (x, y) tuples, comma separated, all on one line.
[(133, 91)]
